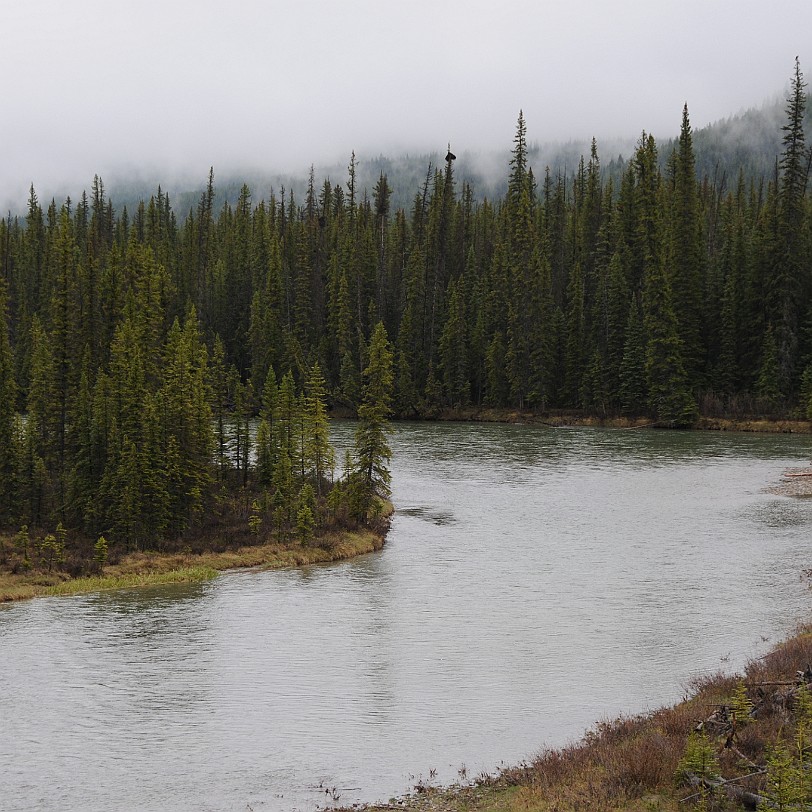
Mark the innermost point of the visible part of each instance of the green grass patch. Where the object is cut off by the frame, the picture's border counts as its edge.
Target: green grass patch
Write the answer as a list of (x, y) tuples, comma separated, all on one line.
[(34, 586), (154, 569)]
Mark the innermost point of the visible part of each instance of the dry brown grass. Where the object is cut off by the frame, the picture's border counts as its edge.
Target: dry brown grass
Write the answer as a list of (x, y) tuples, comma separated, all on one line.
[(564, 418), (755, 425)]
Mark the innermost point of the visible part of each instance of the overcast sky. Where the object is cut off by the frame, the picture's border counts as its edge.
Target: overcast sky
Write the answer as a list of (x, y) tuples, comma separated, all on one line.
[(91, 86)]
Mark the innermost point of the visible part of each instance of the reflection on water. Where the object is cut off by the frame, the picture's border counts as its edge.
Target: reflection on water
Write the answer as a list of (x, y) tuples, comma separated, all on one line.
[(429, 514), (534, 581)]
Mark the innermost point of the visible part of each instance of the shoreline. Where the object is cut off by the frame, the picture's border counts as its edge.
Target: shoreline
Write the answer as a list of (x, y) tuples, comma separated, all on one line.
[(157, 569), (639, 763), (564, 419)]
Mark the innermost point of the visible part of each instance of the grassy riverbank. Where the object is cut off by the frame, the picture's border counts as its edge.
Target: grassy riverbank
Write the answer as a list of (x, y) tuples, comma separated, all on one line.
[(155, 568), (561, 419), (638, 764)]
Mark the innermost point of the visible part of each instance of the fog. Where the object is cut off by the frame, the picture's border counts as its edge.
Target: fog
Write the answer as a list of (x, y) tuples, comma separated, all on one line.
[(165, 89)]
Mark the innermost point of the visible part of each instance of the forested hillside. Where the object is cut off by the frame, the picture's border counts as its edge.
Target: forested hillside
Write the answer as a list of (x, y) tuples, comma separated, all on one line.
[(133, 338)]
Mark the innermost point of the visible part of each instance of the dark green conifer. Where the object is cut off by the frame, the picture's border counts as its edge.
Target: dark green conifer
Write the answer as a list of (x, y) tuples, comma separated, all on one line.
[(372, 451)]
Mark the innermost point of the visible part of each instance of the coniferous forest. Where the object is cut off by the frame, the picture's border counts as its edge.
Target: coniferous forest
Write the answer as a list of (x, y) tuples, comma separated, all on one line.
[(138, 345)]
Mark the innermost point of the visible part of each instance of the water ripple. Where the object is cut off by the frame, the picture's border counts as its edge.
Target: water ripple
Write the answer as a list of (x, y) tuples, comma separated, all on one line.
[(523, 567)]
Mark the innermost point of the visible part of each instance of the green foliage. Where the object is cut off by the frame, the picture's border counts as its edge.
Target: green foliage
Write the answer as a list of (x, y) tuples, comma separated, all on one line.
[(372, 452), (805, 405), (8, 400), (740, 704), (684, 254), (768, 384), (803, 731), (699, 759), (784, 790), (633, 387), (305, 524), (51, 549), (255, 519), (22, 542), (101, 550), (317, 452)]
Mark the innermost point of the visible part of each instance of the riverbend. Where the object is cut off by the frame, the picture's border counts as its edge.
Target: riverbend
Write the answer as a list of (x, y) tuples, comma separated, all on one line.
[(534, 580)]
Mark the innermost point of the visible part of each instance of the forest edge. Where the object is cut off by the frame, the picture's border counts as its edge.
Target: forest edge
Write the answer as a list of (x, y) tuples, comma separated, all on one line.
[(152, 568)]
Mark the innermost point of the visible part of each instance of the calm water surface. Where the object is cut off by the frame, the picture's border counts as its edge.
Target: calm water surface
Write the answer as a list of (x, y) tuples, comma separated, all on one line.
[(534, 582)]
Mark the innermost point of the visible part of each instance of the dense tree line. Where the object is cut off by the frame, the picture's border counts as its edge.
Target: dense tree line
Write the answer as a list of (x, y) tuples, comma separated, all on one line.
[(124, 419), (137, 344)]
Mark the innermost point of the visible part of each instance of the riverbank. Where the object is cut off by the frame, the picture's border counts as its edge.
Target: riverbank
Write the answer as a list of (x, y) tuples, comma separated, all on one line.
[(155, 568), (563, 419), (735, 725)]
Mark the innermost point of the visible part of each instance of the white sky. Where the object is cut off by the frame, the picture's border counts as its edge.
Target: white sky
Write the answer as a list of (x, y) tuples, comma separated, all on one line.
[(96, 86)]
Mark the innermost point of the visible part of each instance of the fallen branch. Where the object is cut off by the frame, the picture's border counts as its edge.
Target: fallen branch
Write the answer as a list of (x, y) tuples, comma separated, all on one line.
[(749, 800)]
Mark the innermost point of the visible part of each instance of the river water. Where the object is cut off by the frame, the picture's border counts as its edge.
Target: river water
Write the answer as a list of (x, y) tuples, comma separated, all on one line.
[(534, 582)]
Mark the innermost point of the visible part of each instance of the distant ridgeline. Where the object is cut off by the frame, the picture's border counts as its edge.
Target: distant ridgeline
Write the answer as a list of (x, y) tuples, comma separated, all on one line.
[(657, 293)]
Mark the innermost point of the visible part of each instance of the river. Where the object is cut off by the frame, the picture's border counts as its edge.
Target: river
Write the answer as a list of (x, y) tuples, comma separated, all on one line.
[(534, 582)]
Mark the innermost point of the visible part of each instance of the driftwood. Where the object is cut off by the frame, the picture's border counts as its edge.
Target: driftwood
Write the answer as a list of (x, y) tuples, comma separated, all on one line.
[(743, 758), (723, 721), (749, 800), (800, 473)]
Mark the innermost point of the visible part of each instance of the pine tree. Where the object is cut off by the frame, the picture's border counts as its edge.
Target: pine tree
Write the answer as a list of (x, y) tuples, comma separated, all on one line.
[(8, 400), (784, 789), (633, 389), (372, 451), (543, 339), (768, 384), (790, 249), (576, 352), (454, 349), (83, 475), (684, 254), (218, 378), (318, 452), (101, 550), (496, 364), (669, 394), (617, 315), (305, 521)]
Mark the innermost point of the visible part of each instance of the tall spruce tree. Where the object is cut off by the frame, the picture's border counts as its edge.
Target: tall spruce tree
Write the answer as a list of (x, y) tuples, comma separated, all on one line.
[(372, 452), (684, 254), (790, 251), (8, 401)]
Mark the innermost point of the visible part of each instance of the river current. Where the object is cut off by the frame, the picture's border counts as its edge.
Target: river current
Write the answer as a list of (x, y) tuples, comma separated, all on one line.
[(534, 581)]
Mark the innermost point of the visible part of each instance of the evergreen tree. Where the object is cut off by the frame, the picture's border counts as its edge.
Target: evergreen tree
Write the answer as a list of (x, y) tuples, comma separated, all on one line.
[(454, 349), (318, 452), (790, 249), (633, 388), (768, 384), (684, 254), (372, 451), (8, 401), (669, 395)]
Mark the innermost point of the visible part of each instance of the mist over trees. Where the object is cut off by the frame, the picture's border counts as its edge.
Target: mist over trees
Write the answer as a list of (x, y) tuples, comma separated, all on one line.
[(137, 344), (749, 140)]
